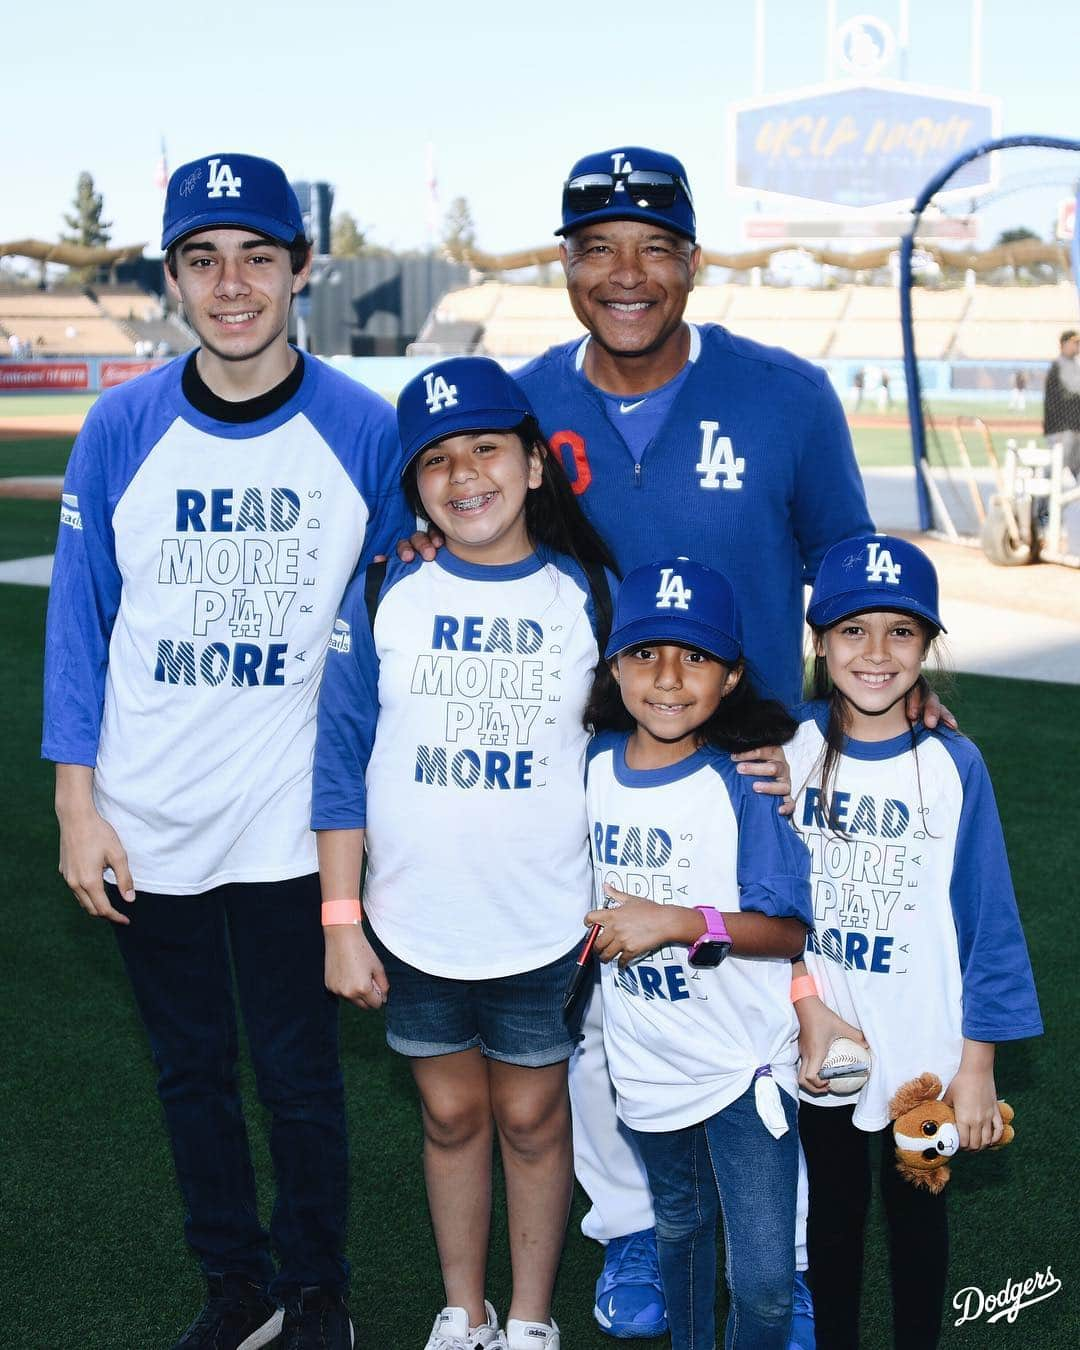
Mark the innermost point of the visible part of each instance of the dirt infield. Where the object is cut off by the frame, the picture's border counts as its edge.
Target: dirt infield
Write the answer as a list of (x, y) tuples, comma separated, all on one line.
[(1013, 426), (15, 428), (966, 574), (38, 488)]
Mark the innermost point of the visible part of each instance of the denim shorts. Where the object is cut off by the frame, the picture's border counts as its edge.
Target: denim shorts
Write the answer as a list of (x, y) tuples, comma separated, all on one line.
[(517, 1019)]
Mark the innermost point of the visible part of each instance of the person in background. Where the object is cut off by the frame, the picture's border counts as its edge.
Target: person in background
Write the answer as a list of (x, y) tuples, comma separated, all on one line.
[(1061, 401)]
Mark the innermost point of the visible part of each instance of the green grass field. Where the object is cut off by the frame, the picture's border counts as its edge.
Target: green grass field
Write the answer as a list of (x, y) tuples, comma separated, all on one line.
[(91, 1218), (34, 455), (27, 529), (33, 405)]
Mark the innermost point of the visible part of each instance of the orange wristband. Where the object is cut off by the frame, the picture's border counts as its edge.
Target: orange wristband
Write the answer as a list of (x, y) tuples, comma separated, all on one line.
[(803, 986), (340, 911)]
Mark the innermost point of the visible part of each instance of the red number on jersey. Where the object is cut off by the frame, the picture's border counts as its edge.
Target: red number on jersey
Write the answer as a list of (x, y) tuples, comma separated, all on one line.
[(581, 476)]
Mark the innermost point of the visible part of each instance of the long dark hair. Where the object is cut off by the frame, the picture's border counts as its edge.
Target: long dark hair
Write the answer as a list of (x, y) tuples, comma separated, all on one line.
[(822, 689), (743, 721), (553, 517)]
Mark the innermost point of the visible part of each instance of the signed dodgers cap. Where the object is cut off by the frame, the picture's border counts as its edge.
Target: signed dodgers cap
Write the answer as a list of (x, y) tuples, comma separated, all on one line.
[(231, 190), (874, 571), (676, 600), (628, 184), (464, 393)]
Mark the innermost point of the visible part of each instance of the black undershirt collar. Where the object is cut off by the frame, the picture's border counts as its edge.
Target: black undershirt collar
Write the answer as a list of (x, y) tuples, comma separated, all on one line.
[(203, 399)]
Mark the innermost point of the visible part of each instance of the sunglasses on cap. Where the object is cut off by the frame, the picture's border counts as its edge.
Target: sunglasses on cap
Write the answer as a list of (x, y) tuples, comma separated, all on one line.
[(649, 188)]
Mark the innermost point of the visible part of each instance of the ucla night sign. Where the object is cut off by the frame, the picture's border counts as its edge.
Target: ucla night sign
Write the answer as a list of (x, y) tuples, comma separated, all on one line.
[(854, 145)]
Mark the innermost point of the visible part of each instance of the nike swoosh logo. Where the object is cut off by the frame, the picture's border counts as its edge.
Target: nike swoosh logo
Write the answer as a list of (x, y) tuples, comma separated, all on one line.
[(611, 1307), (629, 407)]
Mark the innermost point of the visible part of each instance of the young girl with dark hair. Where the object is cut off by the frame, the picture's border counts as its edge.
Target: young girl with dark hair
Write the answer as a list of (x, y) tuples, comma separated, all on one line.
[(708, 899), (917, 949), (466, 792)]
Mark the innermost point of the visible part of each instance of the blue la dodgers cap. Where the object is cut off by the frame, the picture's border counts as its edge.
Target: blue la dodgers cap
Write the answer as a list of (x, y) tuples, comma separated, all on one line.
[(463, 393), (874, 571), (624, 204), (677, 600), (241, 191)]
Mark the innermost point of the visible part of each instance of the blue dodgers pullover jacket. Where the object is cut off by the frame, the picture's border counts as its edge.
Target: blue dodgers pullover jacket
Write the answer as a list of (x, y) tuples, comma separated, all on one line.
[(752, 472)]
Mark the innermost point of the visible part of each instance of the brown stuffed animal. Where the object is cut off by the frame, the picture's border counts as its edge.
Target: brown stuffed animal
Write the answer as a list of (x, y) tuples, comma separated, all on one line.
[(925, 1132)]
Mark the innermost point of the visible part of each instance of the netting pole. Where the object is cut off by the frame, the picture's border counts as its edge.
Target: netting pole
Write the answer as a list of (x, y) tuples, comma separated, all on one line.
[(907, 248), (1076, 240), (911, 378)]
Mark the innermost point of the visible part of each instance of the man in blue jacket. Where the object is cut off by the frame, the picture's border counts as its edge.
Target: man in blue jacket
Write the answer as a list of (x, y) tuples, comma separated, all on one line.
[(679, 439)]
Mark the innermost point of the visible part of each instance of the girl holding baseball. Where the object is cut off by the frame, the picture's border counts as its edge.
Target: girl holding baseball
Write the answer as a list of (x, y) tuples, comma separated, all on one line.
[(917, 949), (707, 899), (466, 792)]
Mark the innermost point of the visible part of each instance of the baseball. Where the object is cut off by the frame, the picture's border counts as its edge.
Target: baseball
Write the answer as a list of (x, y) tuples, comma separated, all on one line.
[(850, 1062)]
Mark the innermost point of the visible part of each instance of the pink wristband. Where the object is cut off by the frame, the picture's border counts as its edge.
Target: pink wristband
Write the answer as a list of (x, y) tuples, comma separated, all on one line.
[(803, 986), (340, 911)]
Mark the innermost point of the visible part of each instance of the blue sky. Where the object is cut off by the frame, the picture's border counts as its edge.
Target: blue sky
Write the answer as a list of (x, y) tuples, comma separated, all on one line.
[(509, 94)]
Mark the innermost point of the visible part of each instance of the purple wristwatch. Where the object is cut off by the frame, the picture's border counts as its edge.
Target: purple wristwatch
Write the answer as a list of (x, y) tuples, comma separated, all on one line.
[(714, 944)]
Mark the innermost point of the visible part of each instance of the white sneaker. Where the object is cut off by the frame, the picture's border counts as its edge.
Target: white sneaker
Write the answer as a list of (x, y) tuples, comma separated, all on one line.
[(532, 1335), (451, 1331)]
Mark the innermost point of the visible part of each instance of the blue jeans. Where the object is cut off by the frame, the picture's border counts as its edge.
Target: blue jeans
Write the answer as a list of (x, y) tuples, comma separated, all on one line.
[(517, 1019), (177, 954), (728, 1165)]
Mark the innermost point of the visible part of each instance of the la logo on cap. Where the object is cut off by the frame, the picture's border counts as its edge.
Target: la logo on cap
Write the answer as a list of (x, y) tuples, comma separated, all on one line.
[(439, 394), (880, 565), (222, 182), (620, 165), (673, 594)]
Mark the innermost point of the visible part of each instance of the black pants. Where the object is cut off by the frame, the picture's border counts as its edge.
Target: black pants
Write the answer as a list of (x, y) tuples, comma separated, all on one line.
[(838, 1167), (181, 952)]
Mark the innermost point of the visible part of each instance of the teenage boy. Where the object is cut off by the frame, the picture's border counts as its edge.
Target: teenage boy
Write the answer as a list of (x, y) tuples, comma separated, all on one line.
[(213, 512)]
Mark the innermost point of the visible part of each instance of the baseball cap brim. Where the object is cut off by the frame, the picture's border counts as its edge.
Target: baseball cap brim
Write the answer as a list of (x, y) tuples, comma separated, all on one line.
[(837, 607), (273, 227), (641, 632), (660, 218), (469, 419)]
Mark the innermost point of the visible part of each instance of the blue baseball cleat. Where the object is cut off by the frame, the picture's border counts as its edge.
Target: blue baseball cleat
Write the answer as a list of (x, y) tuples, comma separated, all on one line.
[(802, 1315), (629, 1295)]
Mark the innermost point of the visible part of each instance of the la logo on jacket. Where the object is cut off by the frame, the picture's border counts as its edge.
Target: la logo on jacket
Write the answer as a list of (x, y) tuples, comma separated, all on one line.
[(718, 465)]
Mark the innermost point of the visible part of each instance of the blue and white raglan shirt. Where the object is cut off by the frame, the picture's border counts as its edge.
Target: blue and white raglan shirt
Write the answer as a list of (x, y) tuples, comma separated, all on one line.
[(751, 472), (478, 860), (199, 567), (683, 1043), (917, 940)]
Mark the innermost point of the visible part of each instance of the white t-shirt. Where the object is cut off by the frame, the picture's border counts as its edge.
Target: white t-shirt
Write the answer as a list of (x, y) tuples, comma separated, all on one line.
[(917, 940), (683, 1042), (198, 569), (478, 861)]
